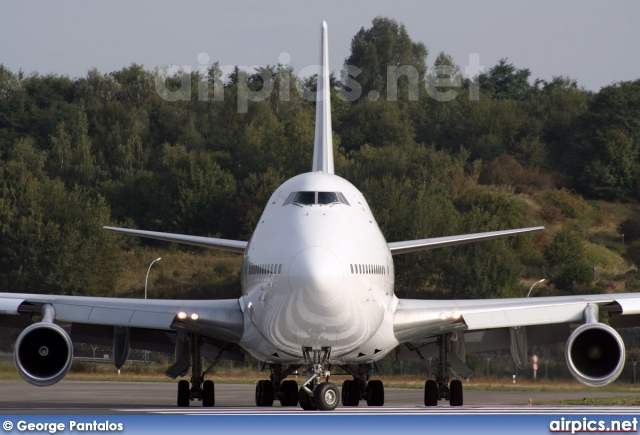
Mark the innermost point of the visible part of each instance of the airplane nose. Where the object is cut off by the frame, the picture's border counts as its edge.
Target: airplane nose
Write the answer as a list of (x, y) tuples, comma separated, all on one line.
[(316, 274)]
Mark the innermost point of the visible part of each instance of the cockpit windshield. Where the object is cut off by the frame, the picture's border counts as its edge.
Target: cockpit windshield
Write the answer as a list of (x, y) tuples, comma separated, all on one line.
[(311, 198)]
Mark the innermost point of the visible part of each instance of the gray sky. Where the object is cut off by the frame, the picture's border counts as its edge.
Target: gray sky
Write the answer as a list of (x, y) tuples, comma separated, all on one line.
[(595, 42)]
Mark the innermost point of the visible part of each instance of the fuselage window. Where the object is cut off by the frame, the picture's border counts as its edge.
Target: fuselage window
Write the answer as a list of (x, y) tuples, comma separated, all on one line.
[(351, 266), (279, 269)]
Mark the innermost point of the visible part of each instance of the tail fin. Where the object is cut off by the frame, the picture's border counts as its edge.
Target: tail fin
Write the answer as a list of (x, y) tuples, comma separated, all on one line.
[(323, 143)]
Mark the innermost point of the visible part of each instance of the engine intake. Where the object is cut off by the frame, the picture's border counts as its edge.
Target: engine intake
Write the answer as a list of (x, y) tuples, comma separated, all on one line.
[(43, 354), (595, 354)]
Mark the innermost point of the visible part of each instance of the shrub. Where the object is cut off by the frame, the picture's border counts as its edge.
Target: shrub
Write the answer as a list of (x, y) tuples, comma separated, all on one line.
[(631, 229), (572, 205), (632, 254), (551, 214)]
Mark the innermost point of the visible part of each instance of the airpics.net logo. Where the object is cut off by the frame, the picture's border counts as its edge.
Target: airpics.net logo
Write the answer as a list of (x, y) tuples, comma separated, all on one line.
[(443, 82), (590, 425)]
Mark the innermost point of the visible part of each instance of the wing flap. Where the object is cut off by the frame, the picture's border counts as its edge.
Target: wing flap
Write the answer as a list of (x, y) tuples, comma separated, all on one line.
[(524, 316), (10, 305), (629, 306)]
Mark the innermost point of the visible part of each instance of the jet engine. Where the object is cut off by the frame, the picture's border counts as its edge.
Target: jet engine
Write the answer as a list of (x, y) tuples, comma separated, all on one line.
[(43, 354), (595, 354)]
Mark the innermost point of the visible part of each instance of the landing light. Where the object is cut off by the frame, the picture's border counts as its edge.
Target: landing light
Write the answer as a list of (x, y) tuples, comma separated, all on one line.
[(454, 315), (182, 315), (194, 316)]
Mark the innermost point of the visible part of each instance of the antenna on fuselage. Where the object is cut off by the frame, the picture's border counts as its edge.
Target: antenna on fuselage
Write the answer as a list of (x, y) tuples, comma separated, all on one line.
[(323, 143)]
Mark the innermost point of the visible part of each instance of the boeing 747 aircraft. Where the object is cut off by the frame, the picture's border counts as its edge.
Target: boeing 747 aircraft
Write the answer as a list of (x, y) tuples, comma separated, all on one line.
[(318, 294)]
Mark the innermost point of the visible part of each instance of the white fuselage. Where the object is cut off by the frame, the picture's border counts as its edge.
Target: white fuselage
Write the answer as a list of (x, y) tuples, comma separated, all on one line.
[(318, 273)]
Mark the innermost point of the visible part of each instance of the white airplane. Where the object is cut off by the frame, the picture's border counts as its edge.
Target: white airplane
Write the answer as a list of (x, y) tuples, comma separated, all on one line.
[(318, 292)]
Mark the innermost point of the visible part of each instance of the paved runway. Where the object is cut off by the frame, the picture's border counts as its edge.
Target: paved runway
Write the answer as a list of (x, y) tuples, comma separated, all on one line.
[(78, 397)]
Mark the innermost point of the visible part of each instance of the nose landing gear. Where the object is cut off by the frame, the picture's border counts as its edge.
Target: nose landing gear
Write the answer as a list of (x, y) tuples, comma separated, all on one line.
[(315, 394)]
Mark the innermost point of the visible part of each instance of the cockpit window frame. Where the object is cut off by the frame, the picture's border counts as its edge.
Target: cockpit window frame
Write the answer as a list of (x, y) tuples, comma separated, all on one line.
[(294, 196)]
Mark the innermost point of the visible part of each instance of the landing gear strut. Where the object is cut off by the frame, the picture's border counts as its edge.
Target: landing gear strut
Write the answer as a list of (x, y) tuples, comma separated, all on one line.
[(313, 393), (360, 387), (277, 388), (441, 388), (199, 389)]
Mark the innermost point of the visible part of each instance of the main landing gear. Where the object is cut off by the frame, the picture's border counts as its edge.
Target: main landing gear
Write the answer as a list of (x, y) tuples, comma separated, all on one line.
[(441, 388), (361, 388), (315, 394), (277, 388), (199, 389)]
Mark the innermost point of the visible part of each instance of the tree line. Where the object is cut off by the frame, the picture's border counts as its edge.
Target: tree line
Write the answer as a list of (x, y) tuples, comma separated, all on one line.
[(109, 148)]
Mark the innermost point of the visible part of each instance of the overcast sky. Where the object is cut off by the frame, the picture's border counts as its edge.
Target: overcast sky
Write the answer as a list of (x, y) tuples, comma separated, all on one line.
[(594, 42)]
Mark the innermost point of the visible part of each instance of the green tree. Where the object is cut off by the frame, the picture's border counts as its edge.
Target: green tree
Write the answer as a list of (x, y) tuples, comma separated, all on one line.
[(566, 253), (386, 44), (632, 254), (505, 81), (51, 238)]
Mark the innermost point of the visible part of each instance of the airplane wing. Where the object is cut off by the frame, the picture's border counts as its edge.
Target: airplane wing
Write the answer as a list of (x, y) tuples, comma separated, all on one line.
[(514, 324), (408, 246), (237, 246), (418, 320), (220, 318), (146, 324)]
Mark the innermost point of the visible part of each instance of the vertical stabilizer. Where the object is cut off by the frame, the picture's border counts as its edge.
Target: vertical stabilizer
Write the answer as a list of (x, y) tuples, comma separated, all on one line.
[(323, 143)]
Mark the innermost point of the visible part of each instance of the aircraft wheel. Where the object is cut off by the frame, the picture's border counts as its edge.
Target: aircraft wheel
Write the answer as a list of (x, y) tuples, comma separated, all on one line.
[(208, 394), (183, 393), (264, 393), (375, 396), (289, 391), (326, 396), (431, 393), (350, 393), (455, 393), (305, 401)]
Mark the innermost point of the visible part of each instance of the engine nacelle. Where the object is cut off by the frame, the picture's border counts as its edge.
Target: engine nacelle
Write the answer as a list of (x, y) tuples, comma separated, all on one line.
[(43, 354), (595, 354)]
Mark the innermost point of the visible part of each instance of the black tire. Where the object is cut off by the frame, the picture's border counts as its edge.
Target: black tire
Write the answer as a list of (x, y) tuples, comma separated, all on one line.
[(455, 393), (259, 393), (350, 393), (375, 393), (184, 395), (305, 401), (431, 393), (208, 394), (289, 391), (264, 393), (326, 396)]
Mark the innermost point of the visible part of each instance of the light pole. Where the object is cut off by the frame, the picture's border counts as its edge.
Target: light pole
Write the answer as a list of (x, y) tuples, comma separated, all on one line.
[(534, 284), (488, 361), (146, 284), (146, 281)]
